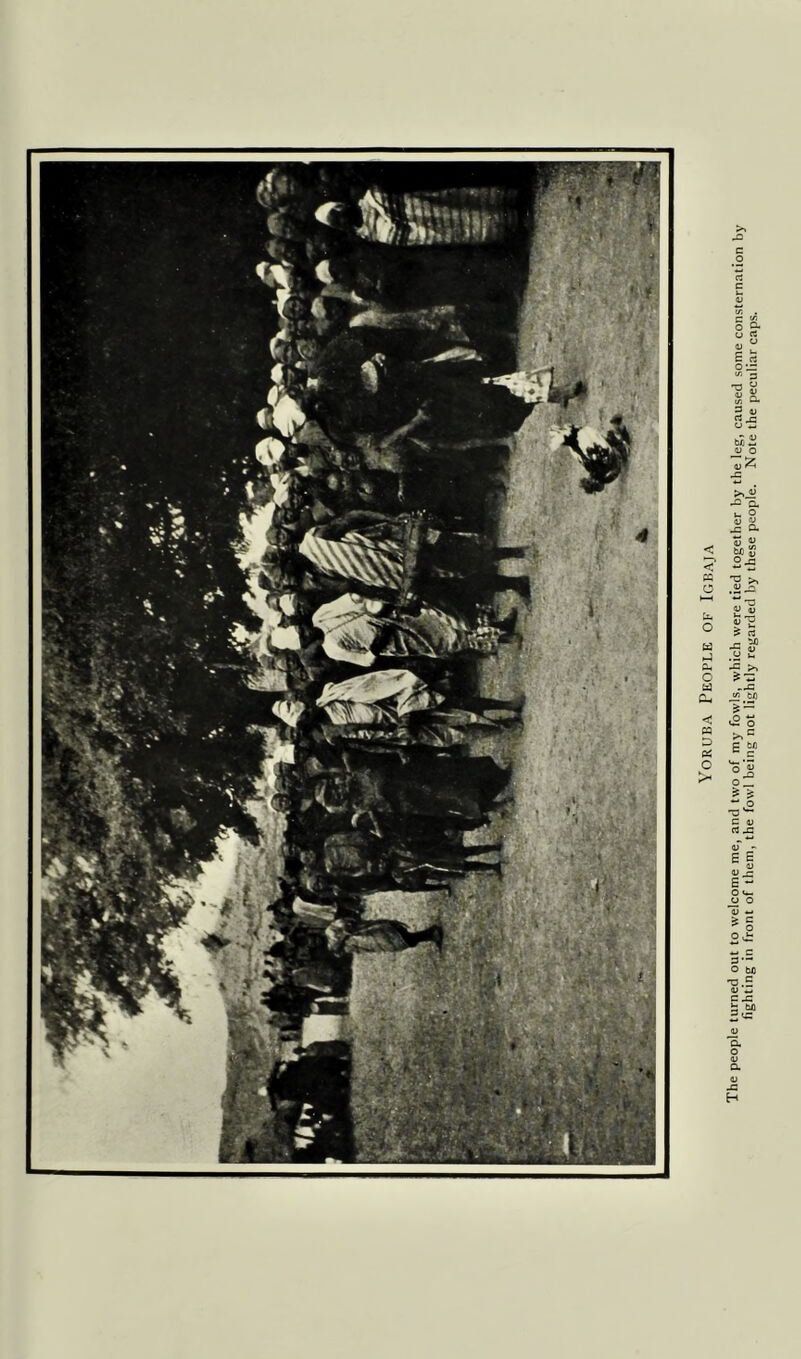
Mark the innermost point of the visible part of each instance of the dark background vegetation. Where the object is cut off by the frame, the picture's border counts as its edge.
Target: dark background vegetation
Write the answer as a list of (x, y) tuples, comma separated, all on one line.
[(154, 337), (532, 1038)]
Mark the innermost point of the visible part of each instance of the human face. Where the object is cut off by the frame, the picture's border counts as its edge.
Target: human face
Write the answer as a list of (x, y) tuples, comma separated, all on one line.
[(373, 372)]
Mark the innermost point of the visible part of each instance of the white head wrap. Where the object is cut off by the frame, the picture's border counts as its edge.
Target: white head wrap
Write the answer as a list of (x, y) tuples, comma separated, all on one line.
[(268, 451), (285, 638), (325, 210), (288, 710)]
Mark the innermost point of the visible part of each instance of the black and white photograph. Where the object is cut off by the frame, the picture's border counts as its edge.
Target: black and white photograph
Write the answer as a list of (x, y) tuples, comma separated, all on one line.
[(350, 500)]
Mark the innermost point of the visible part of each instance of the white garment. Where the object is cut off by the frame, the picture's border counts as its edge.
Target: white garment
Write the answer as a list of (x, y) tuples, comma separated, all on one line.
[(285, 637), (323, 213), (283, 754), (287, 416), (273, 618), (349, 625), (280, 275), (269, 451), (281, 338), (288, 604), (288, 710), (376, 698), (313, 912), (282, 485), (262, 649)]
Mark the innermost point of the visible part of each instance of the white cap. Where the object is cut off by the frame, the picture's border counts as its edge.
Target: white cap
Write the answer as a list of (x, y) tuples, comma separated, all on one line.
[(268, 451), (323, 213), (288, 710), (285, 638), (288, 415), (282, 483)]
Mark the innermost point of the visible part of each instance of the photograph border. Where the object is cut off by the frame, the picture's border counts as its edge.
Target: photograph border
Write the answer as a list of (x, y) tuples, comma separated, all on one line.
[(665, 673)]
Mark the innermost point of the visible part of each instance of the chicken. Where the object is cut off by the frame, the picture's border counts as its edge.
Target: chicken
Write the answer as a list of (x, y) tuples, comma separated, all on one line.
[(602, 458)]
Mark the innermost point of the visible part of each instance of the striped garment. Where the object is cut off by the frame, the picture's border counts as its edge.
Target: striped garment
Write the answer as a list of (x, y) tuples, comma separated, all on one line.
[(357, 556), (471, 215), (350, 626)]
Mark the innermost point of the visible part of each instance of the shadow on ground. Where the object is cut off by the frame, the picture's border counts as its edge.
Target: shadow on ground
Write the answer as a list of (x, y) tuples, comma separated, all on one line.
[(532, 1038)]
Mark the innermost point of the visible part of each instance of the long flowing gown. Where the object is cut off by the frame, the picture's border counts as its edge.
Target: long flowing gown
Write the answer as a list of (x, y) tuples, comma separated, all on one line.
[(359, 630)]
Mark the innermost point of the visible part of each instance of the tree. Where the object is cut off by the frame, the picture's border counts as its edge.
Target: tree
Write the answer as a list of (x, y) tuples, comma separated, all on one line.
[(152, 357)]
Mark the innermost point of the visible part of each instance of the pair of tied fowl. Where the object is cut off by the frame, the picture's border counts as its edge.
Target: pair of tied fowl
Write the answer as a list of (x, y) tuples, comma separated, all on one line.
[(602, 457)]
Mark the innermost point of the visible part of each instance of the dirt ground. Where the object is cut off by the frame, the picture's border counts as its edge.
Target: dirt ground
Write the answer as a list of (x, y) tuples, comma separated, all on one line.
[(531, 1039)]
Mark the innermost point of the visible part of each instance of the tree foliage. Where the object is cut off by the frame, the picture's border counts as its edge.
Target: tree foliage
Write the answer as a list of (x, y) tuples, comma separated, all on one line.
[(154, 331)]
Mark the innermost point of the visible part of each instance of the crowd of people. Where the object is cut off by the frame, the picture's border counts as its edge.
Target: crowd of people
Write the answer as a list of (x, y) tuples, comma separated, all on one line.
[(372, 570)]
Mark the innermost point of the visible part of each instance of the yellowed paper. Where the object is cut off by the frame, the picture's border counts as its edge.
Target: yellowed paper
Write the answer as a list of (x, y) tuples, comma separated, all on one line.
[(702, 1261)]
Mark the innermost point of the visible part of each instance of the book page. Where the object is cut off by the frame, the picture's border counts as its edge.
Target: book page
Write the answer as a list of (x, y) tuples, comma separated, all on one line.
[(699, 1258)]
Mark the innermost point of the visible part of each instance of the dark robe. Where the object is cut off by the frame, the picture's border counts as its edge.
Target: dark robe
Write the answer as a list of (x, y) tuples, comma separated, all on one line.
[(460, 405), (458, 790)]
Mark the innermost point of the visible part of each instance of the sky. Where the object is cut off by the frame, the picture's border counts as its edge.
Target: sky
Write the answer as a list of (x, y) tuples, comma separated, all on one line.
[(156, 1100)]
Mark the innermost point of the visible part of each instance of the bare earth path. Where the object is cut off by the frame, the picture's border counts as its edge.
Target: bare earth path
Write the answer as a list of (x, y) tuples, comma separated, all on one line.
[(538, 1020)]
